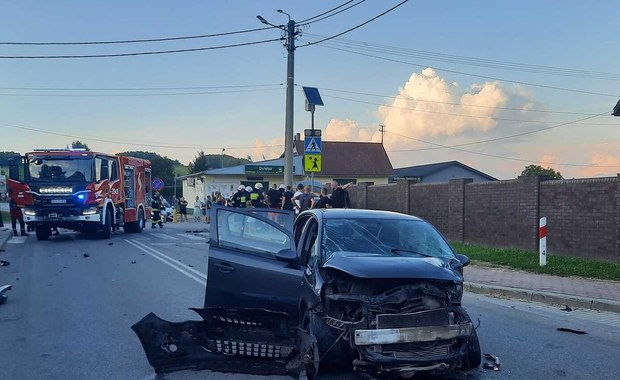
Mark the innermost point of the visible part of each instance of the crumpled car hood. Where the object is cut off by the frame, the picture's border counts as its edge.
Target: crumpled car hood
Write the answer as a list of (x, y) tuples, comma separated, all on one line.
[(367, 265)]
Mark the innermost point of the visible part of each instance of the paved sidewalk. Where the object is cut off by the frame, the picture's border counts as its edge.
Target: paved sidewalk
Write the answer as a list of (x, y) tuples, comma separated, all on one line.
[(572, 291)]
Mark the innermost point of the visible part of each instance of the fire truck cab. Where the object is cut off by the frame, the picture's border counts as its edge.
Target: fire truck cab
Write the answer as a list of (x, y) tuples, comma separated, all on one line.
[(81, 190)]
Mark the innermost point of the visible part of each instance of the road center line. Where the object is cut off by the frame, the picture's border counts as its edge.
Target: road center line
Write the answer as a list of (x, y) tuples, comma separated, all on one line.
[(201, 279), (170, 259)]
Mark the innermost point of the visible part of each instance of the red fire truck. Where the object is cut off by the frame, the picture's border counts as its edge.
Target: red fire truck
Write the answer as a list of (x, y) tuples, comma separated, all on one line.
[(81, 190)]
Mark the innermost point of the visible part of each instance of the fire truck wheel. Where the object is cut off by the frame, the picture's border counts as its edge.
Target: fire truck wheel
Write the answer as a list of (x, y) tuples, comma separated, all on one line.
[(43, 233), (106, 230), (140, 225)]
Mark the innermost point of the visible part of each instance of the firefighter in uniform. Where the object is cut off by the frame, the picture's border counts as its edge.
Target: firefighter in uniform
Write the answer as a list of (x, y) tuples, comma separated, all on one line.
[(16, 216), (256, 196), (240, 197), (155, 207)]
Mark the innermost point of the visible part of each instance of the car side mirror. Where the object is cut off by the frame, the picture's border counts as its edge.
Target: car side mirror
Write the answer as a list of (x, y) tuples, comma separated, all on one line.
[(465, 261), (287, 255)]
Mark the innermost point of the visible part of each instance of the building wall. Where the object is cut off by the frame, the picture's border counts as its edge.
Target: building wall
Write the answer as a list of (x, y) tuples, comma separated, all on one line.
[(454, 172), (583, 216)]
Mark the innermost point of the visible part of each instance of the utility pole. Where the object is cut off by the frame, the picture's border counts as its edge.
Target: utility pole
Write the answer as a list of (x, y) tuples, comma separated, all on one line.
[(290, 94), (382, 129), (291, 33)]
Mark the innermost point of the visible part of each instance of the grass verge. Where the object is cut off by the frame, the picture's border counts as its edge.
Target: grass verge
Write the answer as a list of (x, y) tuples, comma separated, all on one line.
[(528, 261)]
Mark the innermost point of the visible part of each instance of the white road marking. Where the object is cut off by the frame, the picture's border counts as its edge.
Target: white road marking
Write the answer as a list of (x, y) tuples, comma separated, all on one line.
[(17, 240), (192, 237), (189, 272), (158, 244), (165, 236)]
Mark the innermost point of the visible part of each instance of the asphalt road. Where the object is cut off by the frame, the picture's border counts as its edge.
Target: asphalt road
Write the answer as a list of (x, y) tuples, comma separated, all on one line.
[(69, 316)]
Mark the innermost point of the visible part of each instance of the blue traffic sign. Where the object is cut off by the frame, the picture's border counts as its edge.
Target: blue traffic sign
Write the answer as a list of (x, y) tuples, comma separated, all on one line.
[(312, 145), (158, 184)]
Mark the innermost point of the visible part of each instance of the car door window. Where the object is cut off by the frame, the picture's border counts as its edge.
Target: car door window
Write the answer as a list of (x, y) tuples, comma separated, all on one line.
[(249, 233)]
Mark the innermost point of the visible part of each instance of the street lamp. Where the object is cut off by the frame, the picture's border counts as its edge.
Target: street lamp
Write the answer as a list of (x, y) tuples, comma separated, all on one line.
[(223, 150)]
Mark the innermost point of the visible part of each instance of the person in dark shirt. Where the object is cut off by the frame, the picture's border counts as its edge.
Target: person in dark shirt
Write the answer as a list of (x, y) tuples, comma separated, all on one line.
[(338, 196), (274, 196), (323, 201), (16, 215), (287, 200)]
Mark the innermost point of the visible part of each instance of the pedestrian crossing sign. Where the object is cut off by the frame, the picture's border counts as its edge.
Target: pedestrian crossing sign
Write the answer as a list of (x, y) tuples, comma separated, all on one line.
[(312, 163), (312, 145)]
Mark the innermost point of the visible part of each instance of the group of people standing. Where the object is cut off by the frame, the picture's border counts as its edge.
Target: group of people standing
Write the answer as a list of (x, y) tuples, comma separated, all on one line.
[(283, 197)]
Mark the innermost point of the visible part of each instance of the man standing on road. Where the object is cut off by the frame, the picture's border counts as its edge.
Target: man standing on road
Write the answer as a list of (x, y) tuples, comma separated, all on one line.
[(155, 208), (16, 215), (323, 202), (338, 196), (274, 197)]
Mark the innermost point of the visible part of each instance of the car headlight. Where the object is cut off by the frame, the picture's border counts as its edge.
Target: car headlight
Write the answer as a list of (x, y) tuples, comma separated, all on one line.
[(90, 211), (455, 293), (29, 212)]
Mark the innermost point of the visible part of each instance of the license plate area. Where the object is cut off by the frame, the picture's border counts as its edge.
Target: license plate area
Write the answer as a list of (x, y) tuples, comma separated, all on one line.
[(58, 201)]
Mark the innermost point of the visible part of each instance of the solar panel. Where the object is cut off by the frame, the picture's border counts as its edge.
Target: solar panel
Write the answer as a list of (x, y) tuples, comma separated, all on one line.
[(312, 96)]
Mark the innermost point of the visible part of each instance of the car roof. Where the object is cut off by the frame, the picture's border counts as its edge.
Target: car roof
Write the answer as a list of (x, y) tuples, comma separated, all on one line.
[(348, 213)]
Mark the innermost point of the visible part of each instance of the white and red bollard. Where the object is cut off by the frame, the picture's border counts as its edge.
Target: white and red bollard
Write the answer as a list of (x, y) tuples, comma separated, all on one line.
[(542, 244)]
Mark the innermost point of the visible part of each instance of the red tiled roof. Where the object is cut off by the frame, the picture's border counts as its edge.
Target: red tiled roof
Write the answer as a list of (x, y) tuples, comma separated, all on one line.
[(340, 158)]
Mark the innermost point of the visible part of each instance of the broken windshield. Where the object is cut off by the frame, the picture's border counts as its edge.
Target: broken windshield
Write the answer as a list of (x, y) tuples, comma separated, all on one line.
[(60, 170), (389, 237)]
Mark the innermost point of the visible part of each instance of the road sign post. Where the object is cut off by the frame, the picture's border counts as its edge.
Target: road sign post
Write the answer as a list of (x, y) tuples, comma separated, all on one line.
[(542, 246)]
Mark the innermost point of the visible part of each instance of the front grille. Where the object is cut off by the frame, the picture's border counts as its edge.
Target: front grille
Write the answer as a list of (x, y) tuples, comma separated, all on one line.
[(257, 350), (416, 351), (437, 317)]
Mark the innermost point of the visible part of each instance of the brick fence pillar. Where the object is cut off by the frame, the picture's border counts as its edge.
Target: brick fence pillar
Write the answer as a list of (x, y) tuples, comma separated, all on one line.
[(528, 212), (359, 195), (404, 195), (456, 209)]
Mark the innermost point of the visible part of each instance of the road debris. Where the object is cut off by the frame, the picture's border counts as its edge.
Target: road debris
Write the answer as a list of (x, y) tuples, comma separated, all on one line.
[(4, 263), (190, 265), (110, 243), (566, 308), (86, 255), (133, 261), (494, 363), (3, 289), (565, 329)]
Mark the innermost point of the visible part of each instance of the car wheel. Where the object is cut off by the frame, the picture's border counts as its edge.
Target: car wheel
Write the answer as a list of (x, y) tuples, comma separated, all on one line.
[(106, 229), (311, 356), (473, 354), (43, 233)]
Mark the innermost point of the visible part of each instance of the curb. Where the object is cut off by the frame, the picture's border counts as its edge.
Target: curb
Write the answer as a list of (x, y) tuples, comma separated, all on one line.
[(543, 297)]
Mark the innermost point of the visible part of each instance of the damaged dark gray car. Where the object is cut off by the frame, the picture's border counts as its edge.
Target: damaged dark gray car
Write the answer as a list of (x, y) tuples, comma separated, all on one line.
[(377, 290)]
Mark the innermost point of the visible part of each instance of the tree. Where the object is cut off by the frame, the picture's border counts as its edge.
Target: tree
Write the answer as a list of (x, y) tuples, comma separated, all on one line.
[(201, 163), (77, 144), (539, 170), (204, 162)]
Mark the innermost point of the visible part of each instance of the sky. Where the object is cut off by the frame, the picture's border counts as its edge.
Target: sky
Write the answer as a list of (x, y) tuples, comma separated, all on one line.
[(494, 85)]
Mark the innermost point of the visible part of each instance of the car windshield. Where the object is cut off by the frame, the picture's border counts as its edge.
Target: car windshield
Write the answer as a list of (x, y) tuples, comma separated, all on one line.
[(389, 237), (60, 170)]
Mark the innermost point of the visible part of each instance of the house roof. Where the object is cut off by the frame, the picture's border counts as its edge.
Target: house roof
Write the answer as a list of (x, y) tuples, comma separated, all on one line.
[(343, 158), (428, 169)]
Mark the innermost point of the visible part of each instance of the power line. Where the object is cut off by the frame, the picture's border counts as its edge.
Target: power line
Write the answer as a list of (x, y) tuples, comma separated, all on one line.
[(451, 114), (142, 95), (452, 103), (139, 53), (355, 27), (506, 137), (136, 40), (137, 88), (318, 18), (469, 74), (503, 157), (132, 142), (506, 65)]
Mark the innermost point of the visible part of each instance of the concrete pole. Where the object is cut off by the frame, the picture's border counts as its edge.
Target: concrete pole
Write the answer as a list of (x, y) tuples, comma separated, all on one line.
[(290, 83)]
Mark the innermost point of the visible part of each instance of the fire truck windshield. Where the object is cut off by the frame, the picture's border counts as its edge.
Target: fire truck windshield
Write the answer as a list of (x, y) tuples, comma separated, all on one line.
[(60, 169)]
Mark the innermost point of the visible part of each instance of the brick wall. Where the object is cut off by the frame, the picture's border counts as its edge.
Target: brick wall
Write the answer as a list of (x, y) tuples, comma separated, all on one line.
[(583, 216)]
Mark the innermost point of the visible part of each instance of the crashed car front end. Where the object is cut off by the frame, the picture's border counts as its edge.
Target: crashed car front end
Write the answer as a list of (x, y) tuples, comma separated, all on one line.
[(399, 327), (251, 341)]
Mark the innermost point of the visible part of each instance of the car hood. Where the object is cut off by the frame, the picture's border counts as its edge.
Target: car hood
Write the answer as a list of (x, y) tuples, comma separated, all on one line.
[(368, 265)]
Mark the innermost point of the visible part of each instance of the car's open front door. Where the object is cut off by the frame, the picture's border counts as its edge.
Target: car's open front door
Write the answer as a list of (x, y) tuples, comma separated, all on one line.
[(250, 317)]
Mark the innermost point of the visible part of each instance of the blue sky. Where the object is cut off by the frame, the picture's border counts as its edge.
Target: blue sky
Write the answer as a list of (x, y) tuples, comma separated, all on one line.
[(442, 35)]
